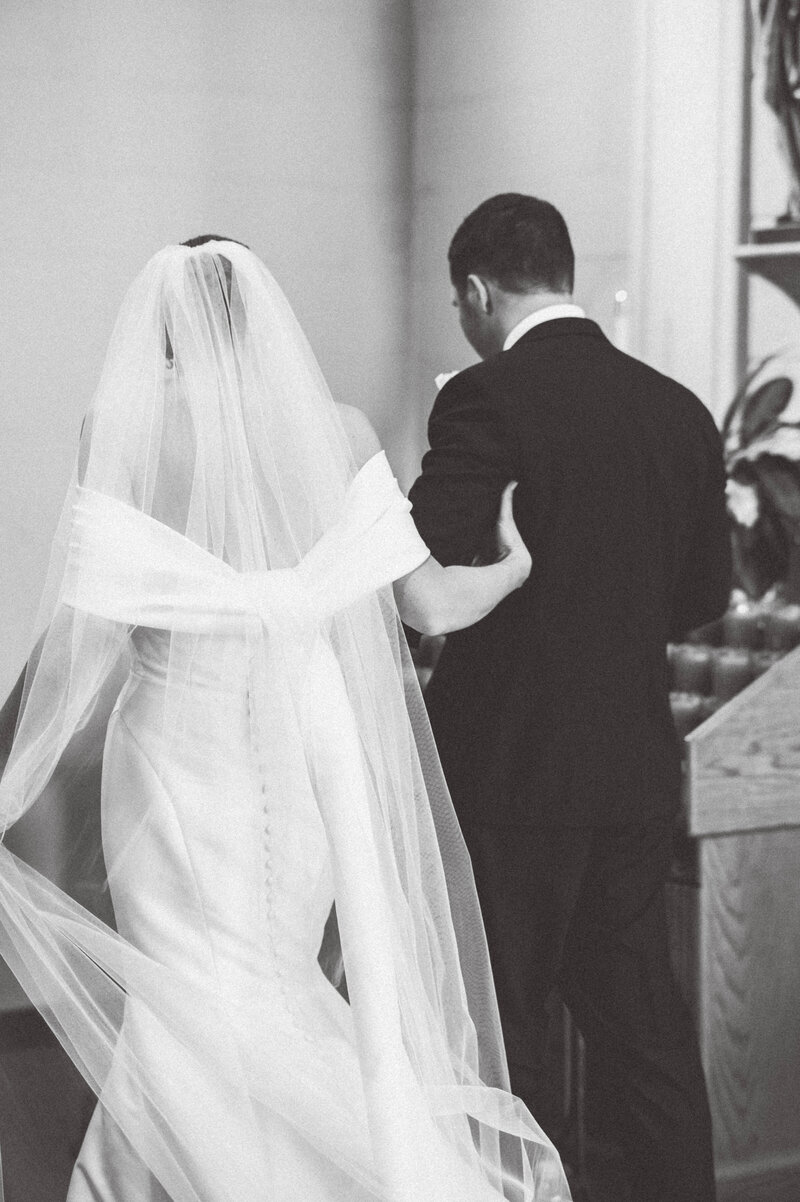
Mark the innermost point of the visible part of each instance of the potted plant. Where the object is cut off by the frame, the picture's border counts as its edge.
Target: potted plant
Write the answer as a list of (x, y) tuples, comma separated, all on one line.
[(762, 452)]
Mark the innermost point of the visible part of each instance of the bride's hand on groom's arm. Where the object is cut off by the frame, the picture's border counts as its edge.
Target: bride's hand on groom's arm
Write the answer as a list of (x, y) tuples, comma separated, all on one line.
[(438, 600), (505, 541), (509, 540)]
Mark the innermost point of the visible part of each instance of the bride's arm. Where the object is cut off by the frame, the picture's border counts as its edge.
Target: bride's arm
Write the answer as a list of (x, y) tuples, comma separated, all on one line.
[(364, 442), (437, 600)]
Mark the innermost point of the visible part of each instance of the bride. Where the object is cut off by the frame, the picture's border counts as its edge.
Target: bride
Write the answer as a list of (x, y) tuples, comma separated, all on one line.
[(289, 997)]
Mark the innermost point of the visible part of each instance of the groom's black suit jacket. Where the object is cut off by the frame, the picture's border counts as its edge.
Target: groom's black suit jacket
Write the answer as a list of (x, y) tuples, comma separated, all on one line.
[(554, 708)]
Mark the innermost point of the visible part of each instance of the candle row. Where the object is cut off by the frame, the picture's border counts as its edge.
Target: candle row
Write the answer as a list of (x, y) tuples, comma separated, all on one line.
[(757, 624), (719, 672)]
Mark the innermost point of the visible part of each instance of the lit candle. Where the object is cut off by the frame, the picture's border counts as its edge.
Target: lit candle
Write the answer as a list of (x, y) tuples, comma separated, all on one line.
[(743, 625), (687, 712), (621, 324), (782, 631), (731, 671), (691, 668)]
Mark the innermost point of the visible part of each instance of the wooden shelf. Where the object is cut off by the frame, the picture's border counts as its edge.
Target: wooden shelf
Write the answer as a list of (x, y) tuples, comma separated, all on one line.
[(767, 250), (778, 262)]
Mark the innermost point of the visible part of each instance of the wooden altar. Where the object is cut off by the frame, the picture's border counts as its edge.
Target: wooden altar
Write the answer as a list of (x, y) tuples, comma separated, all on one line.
[(735, 925)]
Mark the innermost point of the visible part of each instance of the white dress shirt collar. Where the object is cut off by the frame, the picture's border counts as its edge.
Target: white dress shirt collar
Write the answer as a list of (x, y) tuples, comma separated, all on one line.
[(549, 313)]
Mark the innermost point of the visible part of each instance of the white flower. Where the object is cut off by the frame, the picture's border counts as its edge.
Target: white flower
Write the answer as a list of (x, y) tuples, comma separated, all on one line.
[(742, 502), (443, 377)]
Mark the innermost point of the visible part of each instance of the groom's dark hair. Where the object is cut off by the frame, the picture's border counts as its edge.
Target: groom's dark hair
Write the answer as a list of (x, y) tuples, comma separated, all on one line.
[(520, 242)]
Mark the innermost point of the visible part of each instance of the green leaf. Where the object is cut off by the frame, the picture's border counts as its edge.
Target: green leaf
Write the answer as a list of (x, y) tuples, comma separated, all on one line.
[(781, 440), (780, 481), (740, 399), (762, 408)]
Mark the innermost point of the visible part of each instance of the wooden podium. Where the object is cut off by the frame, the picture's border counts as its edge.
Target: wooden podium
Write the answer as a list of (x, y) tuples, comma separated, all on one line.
[(735, 927)]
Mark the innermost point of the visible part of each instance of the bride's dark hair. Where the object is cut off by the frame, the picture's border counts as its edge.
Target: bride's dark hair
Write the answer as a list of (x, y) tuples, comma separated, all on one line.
[(201, 238)]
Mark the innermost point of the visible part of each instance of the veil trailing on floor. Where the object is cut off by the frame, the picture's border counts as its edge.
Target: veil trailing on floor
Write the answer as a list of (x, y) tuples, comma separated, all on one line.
[(216, 495)]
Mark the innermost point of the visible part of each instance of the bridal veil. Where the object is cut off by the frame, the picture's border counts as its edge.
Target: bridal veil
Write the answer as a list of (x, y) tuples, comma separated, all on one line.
[(215, 491)]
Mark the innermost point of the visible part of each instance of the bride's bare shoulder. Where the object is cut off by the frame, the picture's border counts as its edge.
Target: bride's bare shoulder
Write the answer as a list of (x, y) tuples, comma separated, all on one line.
[(360, 432)]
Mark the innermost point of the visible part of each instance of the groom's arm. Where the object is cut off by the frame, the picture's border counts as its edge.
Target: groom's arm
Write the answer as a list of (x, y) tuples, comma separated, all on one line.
[(456, 498), (703, 587)]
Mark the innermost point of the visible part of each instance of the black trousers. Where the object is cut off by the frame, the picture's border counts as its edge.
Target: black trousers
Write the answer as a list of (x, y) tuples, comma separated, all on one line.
[(583, 910)]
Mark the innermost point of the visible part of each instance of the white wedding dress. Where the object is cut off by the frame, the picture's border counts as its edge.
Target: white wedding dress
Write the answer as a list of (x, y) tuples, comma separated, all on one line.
[(240, 904)]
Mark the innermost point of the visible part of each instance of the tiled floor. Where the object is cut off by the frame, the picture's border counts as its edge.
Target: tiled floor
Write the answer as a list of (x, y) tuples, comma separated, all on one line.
[(44, 1108)]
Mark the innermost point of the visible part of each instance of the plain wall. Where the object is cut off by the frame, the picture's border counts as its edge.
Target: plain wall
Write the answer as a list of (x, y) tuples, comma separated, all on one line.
[(686, 198), (518, 97), (127, 126)]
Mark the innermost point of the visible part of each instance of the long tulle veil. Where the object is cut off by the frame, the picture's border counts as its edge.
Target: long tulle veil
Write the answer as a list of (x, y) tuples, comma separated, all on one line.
[(213, 423)]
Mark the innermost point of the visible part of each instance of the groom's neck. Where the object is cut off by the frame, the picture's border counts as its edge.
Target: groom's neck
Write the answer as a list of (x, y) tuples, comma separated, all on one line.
[(514, 307), (507, 310)]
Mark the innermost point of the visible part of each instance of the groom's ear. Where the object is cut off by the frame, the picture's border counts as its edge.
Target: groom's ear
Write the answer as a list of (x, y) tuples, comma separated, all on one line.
[(479, 294)]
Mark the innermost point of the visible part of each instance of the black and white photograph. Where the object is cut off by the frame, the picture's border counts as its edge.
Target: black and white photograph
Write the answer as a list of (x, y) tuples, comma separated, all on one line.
[(400, 601)]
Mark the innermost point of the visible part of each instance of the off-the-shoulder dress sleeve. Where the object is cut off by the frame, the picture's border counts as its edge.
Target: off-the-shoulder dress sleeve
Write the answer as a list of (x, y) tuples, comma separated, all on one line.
[(126, 566)]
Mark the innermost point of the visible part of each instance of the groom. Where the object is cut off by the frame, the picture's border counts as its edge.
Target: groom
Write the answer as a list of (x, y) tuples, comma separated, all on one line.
[(551, 714)]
